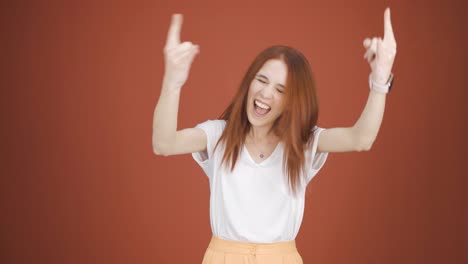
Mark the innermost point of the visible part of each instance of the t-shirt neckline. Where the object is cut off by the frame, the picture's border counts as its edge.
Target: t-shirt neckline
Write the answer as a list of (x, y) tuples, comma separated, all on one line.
[(264, 162)]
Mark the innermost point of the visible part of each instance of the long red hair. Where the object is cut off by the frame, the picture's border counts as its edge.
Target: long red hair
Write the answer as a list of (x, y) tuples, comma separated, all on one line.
[(293, 127)]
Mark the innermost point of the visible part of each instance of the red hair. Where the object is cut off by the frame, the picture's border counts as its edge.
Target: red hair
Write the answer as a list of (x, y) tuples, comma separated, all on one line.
[(293, 127)]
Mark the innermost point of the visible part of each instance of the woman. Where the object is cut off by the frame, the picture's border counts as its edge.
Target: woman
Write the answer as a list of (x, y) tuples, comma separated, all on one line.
[(266, 147)]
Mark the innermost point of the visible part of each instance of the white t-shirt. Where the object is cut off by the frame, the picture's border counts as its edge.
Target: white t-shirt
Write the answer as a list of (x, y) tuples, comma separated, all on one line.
[(253, 203)]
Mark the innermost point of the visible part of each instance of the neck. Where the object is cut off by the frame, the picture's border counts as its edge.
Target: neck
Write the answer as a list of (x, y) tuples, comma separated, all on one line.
[(261, 134)]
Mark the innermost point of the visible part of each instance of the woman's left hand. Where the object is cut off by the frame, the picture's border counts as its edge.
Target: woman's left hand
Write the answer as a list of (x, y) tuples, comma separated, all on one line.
[(380, 53)]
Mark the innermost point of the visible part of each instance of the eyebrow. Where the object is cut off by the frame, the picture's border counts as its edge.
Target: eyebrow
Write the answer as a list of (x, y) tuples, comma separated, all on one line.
[(263, 76)]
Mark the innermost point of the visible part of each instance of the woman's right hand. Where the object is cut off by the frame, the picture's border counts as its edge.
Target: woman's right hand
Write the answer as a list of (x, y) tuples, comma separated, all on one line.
[(178, 56)]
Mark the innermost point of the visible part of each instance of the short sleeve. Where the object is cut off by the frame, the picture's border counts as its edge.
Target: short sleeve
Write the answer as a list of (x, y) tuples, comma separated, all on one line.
[(315, 159), (213, 130)]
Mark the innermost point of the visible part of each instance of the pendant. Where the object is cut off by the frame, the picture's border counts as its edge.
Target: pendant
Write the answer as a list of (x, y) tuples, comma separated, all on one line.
[(261, 156)]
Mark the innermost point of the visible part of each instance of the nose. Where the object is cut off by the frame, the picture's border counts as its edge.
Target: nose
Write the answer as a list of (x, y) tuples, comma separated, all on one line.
[(267, 91)]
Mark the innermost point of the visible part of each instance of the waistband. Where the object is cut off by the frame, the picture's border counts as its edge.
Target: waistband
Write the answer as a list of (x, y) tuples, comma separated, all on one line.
[(230, 246)]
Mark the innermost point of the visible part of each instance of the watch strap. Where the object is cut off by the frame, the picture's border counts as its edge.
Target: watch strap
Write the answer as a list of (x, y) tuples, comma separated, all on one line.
[(381, 88)]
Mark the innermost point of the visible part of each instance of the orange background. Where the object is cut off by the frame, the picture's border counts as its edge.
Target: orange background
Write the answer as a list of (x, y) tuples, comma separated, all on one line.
[(80, 182)]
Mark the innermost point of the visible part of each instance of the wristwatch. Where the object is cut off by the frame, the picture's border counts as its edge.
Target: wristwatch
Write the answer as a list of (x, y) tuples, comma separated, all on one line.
[(381, 88)]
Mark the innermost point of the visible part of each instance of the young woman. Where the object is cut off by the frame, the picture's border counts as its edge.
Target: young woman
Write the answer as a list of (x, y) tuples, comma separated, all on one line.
[(266, 147)]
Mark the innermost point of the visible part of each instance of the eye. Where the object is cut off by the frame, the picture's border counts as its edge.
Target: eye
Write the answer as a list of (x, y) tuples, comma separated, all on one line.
[(260, 80), (279, 90)]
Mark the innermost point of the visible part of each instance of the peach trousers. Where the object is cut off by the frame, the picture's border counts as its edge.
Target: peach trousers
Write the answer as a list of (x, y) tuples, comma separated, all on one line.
[(221, 251)]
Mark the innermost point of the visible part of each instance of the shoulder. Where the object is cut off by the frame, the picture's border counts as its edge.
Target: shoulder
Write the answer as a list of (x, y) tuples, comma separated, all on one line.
[(314, 134), (315, 157), (216, 124), (316, 129), (212, 128)]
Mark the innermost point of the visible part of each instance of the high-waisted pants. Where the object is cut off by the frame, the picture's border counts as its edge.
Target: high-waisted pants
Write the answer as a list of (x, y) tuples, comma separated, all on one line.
[(221, 251)]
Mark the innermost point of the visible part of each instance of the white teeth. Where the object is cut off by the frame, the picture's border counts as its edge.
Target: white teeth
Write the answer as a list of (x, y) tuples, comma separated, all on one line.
[(261, 105)]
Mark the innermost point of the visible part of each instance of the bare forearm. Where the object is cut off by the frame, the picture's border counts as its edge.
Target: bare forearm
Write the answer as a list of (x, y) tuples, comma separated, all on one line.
[(165, 118), (380, 53), (178, 58), (368, 124)]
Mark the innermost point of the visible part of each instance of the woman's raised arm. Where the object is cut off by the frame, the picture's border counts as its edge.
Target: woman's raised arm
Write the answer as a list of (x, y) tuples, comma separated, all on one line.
[(178, 59), (380, 53)]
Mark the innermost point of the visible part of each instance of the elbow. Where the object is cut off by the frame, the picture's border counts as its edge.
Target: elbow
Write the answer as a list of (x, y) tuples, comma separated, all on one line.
[(157, 151), (160, 150), (363, 148), (364, 145)]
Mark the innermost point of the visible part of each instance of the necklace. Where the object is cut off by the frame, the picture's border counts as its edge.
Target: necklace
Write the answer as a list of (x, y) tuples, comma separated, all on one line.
[(257, 148), (261, 154)]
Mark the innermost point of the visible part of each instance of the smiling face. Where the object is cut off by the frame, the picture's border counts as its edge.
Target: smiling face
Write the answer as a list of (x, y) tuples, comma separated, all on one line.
[(266, 94)]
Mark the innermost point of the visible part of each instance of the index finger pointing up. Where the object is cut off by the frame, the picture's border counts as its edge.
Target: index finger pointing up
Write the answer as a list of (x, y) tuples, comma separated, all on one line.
[(388, 30), (173, 36)]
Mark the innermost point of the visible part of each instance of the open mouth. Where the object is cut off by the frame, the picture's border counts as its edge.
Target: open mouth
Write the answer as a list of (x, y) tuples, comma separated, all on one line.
[(260, 108)]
